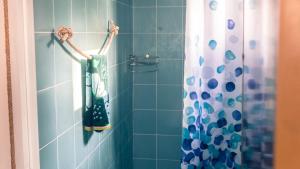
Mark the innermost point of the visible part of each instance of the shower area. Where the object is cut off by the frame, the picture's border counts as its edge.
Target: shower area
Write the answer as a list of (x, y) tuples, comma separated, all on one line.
[(191, 83)]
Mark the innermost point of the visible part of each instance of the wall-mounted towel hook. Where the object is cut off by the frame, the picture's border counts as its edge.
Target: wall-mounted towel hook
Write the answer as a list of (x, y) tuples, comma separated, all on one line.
[(65, 34)]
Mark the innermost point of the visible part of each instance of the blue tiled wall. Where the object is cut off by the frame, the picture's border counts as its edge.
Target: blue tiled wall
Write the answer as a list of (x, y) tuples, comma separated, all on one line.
[(63, 143), (158, 27)]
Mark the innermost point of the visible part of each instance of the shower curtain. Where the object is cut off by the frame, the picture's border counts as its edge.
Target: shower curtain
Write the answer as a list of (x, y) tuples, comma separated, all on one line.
[(230, 51)]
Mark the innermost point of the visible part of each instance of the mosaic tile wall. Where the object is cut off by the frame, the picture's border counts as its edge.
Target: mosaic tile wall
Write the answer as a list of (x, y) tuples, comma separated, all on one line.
[(158, 30), (63, 143)]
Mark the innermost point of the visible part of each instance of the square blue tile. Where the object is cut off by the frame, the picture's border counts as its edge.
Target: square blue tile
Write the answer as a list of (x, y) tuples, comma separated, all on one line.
[(46, 116), (84, 165), (105, 154), (93, 17), (170, 46), (144, 20), (144, 121), (144, 96), (168, 164), (79, 16), (66, 150), (174, 77), (170, 2), (144, 77), (81, 143), (62, 13), (144, 44), (94, 160), (64, 103), (170, 20), (173, 125), (169, 97), (48, 156), (44, 60), (63, 64), (43, 15), (144, 3), (168, 147), (144, 146), (102, 13), (144, 164)]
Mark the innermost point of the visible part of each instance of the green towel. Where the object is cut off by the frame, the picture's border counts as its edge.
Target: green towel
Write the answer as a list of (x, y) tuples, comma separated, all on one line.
[(97, 97)]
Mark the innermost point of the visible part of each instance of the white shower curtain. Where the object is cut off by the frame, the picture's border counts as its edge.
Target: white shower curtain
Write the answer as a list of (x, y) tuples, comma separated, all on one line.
[(228, 82)]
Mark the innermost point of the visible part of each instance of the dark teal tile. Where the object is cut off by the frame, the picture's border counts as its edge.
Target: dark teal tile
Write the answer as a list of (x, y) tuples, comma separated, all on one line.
[(94, 160), (144, 20), (144, 77), (64, 103), (144, 3), (169, 20), (62, 13), (144, 146), (170, 2), (144, 121), (48, 156), (144, 44), (124, 17), (46, 116), (144, 97), (63, 65), (169, 97), (164, 76), (44, 60), (79, 15), (144, 164), (170, 46), (167, 164), (43, 15), (81, 143), (173, 125), (168, 147), (66, 150)]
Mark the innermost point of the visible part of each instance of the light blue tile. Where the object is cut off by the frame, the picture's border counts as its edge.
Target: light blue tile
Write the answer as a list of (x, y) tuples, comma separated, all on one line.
[(144, 146), (170, 2), (94, 160), (84, 165), (63, 64), (144, 44), (144, 97), (165, 76), (44, 60), (165, 164), (169, 97), (46, 116), (78, 15), (173, 125), (144, 164), (62, 13), (168, 147), (144, 20), (102, 13), (66, 150), (64, 102), (112, 81), (144, 121), (144, 3), (169, 20), (81, 140), (170, 46), (93, 17), (43, 15), (105, 154), (48, 156)]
